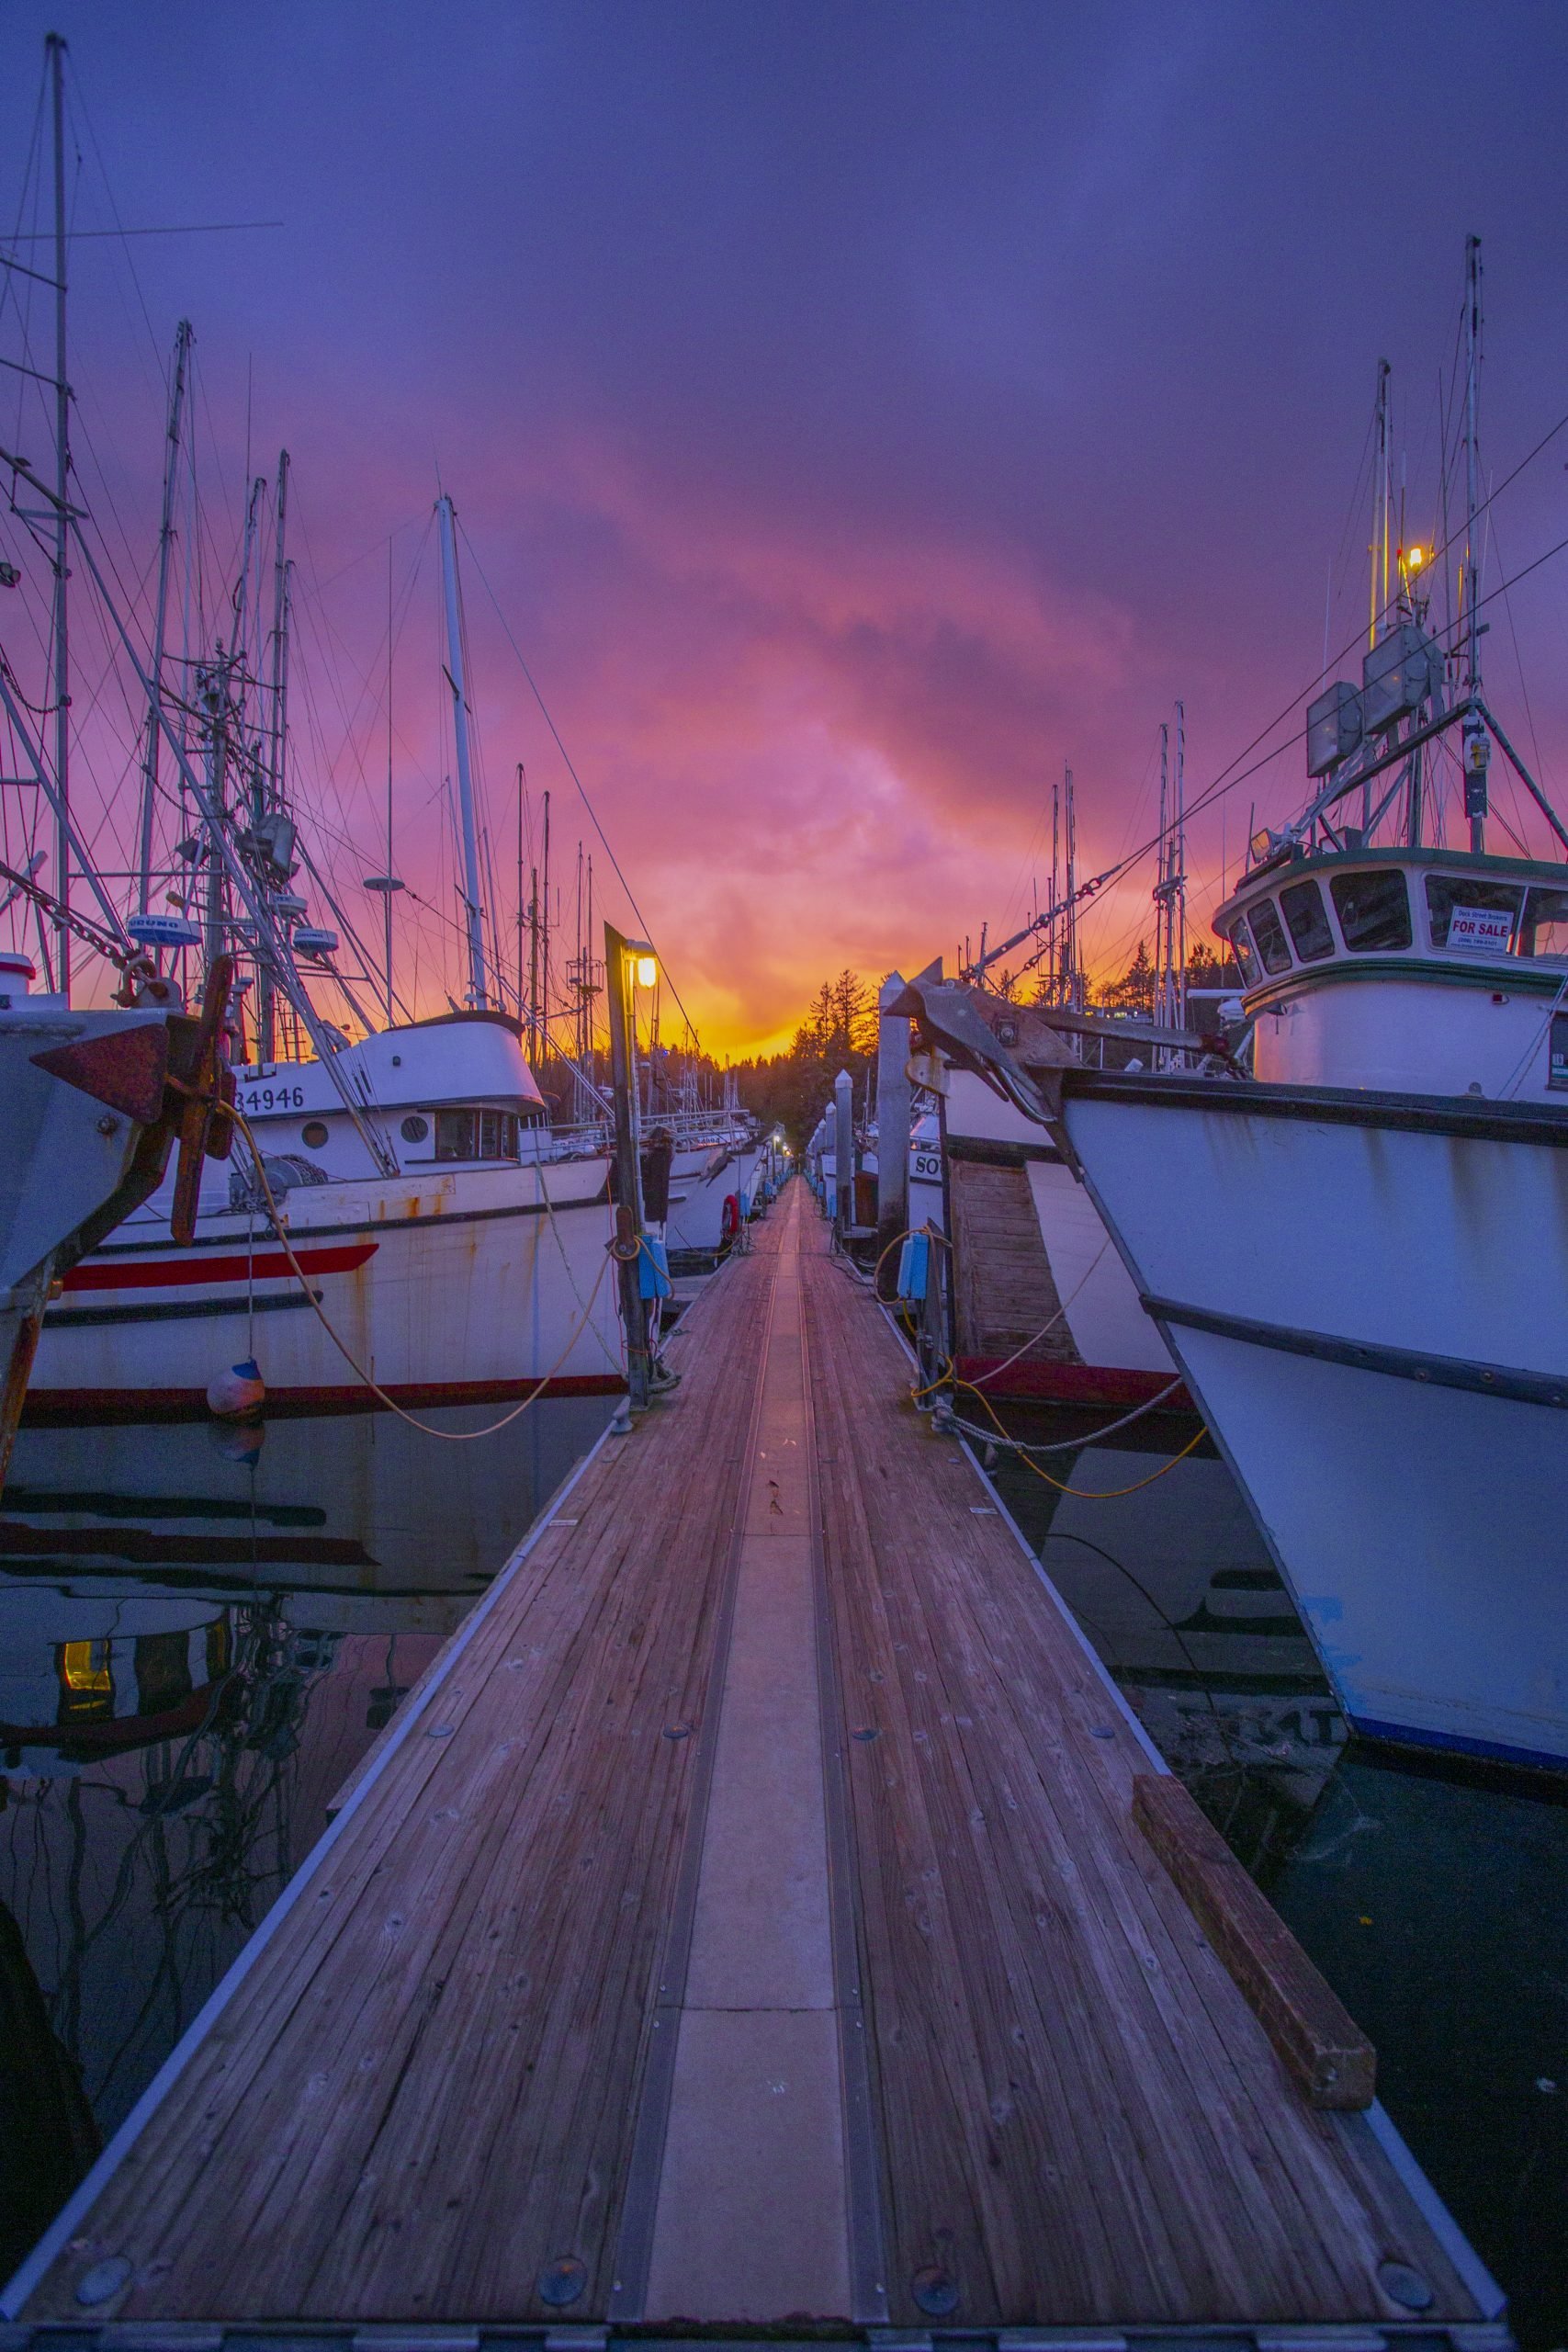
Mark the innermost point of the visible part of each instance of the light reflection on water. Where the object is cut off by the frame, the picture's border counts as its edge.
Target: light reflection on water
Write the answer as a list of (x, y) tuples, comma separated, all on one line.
[(1434, 1899), (201, 1631)]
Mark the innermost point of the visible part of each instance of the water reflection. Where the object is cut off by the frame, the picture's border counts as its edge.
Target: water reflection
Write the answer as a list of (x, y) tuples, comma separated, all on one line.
[(201, 1630), (1434, 1898)]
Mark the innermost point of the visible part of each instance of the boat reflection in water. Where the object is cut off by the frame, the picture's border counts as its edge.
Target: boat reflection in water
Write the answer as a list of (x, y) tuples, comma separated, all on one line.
[(202, 1627), (1430, 1892)]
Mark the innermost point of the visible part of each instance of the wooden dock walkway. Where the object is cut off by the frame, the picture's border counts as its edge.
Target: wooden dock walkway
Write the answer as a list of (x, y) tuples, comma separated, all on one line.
[(744, 1928)]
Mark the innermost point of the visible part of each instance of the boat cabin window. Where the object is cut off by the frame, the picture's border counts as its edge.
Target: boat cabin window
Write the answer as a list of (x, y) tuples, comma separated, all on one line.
[(1373, 911), (1308, 918), (1467, 912), (476, 1135), (1269, 934), (1544, 930), (1244, 952)]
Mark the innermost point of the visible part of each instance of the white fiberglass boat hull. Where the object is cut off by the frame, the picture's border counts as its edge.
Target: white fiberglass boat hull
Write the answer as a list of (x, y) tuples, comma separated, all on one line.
[(1369, 1297), (442, 1286)]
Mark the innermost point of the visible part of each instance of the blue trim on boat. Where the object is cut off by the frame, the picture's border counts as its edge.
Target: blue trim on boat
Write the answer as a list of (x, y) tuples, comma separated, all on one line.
[(1485, 1751)]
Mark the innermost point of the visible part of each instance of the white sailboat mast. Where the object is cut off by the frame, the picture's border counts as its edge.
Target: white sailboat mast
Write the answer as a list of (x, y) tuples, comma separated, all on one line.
[(277, 779), (55, 47), (160, 626), (478, 997)]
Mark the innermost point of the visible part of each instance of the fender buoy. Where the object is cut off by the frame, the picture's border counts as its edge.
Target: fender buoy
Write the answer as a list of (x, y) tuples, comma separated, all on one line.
[(237, 1393), (729, 1222)]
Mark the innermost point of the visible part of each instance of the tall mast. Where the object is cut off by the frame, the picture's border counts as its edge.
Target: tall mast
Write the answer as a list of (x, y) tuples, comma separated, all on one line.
[(1071, 992), (278, 778), (478, 997), (1477, 748), (1377, 582), (1055, 894), (545, 945), (222, 707), (524, 1002), (55, 49), (1179, 877), (1162, 886), (165, 551)]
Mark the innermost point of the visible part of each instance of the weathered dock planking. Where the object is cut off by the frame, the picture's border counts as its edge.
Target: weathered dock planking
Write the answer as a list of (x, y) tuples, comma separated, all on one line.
[(748, 1926)]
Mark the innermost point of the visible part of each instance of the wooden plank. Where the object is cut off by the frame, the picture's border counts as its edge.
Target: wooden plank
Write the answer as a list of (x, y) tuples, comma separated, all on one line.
[(1302, 2016), (1082, 2122), (1005, 1296), (425, 2092)]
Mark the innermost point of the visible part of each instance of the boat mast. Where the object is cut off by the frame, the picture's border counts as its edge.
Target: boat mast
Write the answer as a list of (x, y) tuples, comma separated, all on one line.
[(165, 550), (280, 639), (544, 942), (1179, 1008), (1055, 965), (266, 1002), (1377, 592), (477, 996), (1162, 883), (1071, 990), (54, 48), (1477, 748)]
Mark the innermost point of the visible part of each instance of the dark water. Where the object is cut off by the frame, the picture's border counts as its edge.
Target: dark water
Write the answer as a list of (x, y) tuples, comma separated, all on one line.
[(1434, 1900), (201, 1631)]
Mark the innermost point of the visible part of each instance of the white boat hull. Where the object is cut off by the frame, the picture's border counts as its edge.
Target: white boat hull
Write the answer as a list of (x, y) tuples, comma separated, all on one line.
[(472, 1282), (1368, 1297)]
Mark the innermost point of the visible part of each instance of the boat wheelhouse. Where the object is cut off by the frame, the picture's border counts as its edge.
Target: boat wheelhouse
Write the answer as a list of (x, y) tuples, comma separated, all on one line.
[(1423, 970)]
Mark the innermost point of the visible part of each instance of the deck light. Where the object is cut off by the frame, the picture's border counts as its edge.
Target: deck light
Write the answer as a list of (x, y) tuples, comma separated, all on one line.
[(1416, 559)]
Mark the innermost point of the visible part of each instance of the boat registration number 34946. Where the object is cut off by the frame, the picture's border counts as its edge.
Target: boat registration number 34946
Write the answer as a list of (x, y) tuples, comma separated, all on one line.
[(274, 1098)]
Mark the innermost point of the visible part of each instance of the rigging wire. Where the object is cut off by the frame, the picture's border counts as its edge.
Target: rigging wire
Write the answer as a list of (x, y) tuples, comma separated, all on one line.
[(565, 757)]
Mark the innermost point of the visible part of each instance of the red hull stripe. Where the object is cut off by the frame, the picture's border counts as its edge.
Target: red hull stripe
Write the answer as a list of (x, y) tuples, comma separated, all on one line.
[(172, 1273)]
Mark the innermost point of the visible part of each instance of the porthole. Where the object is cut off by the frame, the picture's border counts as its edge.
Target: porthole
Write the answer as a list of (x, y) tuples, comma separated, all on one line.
[(414, 1128), (314, 1133)]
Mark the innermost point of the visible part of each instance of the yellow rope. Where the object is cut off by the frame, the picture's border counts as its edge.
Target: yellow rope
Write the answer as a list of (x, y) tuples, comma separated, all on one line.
[(1089, 1494), (453, 1437)]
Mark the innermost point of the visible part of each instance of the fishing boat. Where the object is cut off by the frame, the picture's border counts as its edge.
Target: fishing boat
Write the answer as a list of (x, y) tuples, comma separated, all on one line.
[(400, 1216), (1360, 1256), (94, 1101)]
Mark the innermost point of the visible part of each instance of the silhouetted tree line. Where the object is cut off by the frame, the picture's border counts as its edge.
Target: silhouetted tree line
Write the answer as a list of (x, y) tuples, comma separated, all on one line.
[(839, 1032)]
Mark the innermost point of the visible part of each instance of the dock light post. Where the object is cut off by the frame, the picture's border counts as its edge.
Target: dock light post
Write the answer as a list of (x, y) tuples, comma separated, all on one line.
[(892, 1133), (628, 964), (843, 1155)]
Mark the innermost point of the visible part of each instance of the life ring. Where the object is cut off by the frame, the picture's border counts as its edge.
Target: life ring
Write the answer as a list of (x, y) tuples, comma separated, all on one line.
[(729, 1222)]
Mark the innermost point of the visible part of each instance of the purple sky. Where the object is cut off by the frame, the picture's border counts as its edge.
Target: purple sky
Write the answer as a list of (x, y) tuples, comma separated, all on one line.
[(858, 410)]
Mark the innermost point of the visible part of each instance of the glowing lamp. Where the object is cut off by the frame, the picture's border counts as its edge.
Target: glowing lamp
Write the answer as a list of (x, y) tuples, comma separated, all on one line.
[(1416, 557), (647, 971)]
